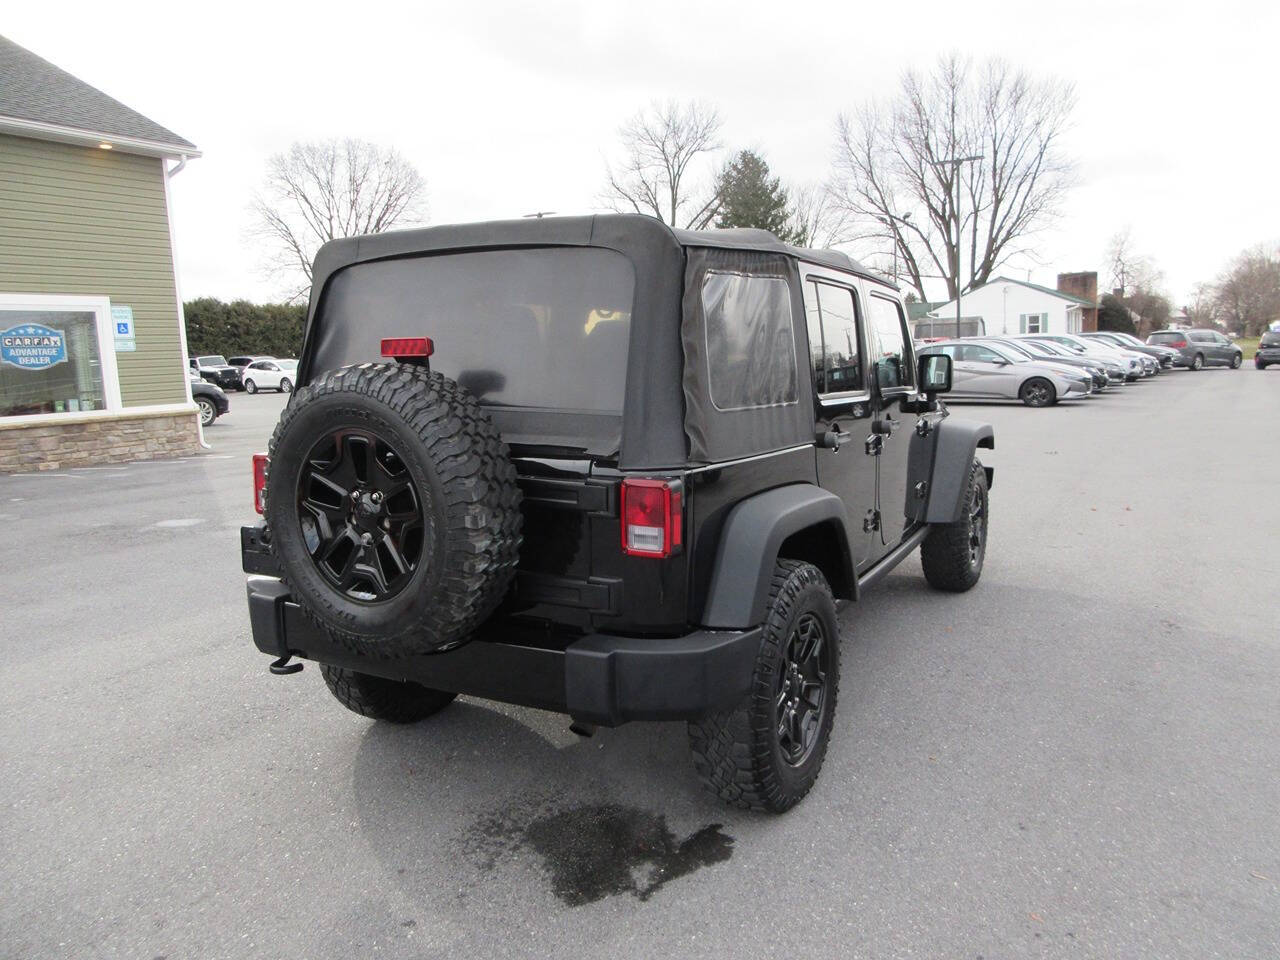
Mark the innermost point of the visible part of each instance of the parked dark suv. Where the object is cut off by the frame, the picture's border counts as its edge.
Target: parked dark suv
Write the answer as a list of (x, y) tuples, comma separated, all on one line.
[(215, 369), (1199, 348), (1268, 350), (603, 467)]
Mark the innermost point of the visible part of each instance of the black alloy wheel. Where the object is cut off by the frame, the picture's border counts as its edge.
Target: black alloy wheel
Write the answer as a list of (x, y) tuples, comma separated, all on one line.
[(800, 696), (977, 529), (361, 515)]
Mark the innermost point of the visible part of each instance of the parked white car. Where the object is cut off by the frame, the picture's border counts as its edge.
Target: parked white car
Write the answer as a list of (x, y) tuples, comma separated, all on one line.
[(270, 375)]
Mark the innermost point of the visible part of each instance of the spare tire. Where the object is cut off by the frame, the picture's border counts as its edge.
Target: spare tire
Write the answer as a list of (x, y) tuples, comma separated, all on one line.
[(393, 509)]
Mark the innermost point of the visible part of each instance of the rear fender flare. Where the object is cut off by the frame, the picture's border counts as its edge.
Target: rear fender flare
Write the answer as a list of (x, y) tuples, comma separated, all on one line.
[(749, 542)]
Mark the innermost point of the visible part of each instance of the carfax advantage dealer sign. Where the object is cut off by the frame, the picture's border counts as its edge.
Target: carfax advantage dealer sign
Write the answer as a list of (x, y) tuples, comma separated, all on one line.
[(32, 346)]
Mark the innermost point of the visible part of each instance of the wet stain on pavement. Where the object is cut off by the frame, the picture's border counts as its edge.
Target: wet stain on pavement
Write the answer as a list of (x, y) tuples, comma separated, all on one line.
[(593, 851)]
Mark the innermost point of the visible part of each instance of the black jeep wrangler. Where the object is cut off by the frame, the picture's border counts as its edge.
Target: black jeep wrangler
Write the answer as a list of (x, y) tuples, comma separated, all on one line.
[(603, 467)]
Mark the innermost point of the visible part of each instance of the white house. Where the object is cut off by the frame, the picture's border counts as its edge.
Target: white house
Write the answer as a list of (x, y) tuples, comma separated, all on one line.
[(1016, 306)]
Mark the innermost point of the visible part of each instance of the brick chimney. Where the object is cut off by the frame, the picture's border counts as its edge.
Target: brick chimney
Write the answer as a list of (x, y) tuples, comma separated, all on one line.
[(1085, 286)]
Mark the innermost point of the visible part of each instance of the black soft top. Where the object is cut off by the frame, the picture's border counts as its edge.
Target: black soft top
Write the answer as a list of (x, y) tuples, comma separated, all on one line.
[(651, 432), (597, 230)]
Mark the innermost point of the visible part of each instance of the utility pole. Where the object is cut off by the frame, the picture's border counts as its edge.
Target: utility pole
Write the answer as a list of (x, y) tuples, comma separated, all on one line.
[(886, 220), (955, 176)]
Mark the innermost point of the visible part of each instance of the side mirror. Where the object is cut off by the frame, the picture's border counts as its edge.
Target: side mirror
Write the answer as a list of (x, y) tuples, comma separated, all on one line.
[(935, 373)]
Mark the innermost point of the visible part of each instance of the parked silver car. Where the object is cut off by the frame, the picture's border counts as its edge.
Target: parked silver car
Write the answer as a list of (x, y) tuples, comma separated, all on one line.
[(1071, 366), (988, 371), (1135, 368), (1115, 369), (1199, 348), (1161, 355)]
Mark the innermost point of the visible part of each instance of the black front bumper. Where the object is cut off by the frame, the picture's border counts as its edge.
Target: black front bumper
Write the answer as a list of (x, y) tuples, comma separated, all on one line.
[(226, 379), (597, 678)]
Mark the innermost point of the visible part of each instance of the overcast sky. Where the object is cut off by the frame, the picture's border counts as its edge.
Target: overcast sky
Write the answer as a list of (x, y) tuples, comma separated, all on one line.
[(508, 108)]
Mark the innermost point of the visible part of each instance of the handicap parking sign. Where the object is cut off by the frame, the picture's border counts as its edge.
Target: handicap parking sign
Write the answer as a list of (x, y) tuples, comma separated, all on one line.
[(122, 319)]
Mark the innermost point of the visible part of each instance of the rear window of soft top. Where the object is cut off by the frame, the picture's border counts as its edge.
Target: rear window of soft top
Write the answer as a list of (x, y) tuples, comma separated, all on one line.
[(543, 328)]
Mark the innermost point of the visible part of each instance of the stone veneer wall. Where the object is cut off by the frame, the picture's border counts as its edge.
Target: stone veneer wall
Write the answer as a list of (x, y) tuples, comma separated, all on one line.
[(81, 441)]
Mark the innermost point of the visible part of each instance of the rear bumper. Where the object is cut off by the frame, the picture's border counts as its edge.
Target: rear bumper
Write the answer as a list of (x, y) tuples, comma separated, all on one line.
[(597, 678)]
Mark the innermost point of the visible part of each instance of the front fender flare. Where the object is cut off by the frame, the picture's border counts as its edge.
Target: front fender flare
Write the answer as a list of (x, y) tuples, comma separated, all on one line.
[(753, 532), (956, 443)]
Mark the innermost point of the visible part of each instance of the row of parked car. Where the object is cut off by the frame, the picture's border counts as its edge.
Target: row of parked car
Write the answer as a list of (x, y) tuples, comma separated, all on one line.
[(250, 374), (1042, 368), (213, 374)]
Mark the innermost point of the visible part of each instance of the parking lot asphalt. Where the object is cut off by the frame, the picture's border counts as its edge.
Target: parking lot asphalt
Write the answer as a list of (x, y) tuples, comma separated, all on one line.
[(1078, 758)]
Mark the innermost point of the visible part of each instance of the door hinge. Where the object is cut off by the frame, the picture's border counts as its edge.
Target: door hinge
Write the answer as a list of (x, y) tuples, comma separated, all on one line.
[(922, 488), (874, 444), (923, 427), (871, 522)]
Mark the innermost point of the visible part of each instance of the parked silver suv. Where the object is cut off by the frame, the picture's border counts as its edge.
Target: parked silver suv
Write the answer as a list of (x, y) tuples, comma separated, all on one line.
[(1199, 348)]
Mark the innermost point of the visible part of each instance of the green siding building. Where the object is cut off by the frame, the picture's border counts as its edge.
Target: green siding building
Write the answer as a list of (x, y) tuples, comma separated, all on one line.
[(92, 348)]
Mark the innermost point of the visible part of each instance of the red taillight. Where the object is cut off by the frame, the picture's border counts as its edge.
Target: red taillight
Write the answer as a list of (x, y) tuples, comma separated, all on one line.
[(1179, 344), (394, 347), (260, 461), (651, 517)]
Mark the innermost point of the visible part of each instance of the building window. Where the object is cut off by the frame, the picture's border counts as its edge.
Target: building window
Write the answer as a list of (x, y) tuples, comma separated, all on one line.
[(1033, 323), (56, 356)]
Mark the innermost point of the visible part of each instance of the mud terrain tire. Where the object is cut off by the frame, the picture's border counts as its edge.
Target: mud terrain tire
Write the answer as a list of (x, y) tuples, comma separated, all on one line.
[(409, 443)]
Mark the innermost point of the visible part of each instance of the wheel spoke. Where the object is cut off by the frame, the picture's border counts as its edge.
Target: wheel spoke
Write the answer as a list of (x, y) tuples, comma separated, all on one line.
[(401, 567), (347, 575), (812, 695)]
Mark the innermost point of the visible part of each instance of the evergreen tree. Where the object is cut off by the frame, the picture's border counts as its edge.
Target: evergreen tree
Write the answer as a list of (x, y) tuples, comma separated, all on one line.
[(1114, 315), (750, 197)]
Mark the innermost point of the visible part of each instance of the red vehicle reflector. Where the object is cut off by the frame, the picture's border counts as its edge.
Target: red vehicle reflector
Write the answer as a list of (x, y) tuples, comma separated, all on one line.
[(652, 520), (260, 461), (407, 347)]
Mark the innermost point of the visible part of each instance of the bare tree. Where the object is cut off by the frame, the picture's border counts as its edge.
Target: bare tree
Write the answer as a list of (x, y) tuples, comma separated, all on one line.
[(816, 219), (902, 157), (1130, 271), (1248, 294), (321, 190), (1202, 311), (1138, 283), (658, 176)]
